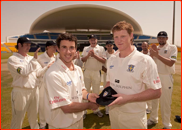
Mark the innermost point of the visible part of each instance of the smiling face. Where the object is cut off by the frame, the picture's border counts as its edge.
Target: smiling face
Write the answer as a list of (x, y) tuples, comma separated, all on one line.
[(109, 47), (24, 48), (67, 51), (93, 42), (51, 49), (162, 40), (122, 39), (145, 46)]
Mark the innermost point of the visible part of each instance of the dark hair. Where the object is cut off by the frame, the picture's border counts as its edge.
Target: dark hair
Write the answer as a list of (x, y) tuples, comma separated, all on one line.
[(16, 46), (123, 25), (66, 36)]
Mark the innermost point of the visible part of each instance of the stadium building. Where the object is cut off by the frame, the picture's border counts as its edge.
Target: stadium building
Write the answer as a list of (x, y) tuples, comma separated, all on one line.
[(80, 20)]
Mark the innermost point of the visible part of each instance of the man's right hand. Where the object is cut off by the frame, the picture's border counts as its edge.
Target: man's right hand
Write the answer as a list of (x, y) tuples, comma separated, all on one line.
[(36, 53), (92, 97), (90, 53)]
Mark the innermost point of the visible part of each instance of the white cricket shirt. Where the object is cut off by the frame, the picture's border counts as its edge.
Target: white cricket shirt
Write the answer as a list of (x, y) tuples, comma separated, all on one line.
[(24, 70), (167, 51), (62, 87), (129, 75), (92, 63)]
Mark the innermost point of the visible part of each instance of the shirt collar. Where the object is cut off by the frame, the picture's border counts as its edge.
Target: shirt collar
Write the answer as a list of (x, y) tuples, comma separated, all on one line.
[(95, 46), (132, 53), (19, 55), (45, 53), (163, 46), (62, 66)]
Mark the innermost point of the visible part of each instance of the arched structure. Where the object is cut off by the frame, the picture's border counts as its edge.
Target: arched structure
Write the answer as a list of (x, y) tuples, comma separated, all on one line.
[(82, 17)]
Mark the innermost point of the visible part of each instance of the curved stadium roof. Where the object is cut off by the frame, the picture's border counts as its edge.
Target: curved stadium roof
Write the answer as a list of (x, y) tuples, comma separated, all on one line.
[(82, 16)]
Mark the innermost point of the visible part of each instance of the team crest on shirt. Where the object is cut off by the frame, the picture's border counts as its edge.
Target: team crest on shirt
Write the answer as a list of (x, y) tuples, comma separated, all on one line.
[(165, 51), (18, 70), (130, 68), (173, 57), (105, 94)]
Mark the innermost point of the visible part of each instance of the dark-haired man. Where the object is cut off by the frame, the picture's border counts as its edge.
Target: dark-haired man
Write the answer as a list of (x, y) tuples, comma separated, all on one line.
[(45, 59), (165, 55), (65, 89), (25, 94), (110, 51)]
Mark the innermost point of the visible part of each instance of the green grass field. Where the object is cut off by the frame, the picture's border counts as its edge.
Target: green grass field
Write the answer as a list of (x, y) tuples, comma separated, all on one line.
[(91, 121)]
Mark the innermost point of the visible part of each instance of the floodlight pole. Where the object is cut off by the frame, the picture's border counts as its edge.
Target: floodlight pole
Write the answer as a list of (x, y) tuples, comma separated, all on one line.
[(173, 22)]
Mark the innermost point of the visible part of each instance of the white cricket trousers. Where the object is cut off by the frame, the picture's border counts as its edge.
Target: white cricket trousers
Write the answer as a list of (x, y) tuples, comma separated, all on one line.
[(77, 125), (41, 107), (124, 120), (24, 100), (104, 79), (165, 101), (92, 78)]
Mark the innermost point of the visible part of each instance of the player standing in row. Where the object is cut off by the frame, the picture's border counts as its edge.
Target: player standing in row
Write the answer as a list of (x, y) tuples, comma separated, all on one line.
[(128, 73), (25, 94), (47, 58), (65, 89), (145, 50), (110, 51), (94, 57), (165, 56)]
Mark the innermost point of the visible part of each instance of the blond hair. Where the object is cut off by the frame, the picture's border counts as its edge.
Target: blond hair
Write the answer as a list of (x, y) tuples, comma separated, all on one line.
[(122, 25)]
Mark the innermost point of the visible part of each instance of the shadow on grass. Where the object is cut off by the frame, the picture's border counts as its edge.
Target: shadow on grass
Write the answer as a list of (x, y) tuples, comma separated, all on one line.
[(27, 127), (177, 120), (150, 126), (95, 122)]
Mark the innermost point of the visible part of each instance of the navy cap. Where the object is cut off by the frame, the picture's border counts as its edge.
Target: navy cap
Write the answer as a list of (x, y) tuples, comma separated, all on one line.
[(109, 42), (162, 34), (50, 43), (105, 98), (178, 118), (23, 40), (92, 36)]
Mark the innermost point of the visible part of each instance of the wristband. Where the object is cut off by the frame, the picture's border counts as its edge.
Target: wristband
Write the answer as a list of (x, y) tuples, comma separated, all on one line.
[(87, 95)]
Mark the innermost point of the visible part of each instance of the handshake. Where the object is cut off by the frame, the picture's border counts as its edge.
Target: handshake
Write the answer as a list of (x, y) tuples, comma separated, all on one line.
[(104, 99)]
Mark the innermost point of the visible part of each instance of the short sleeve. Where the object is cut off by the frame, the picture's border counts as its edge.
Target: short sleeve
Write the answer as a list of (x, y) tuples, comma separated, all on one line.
[(150, 74), (19, 67), (103, 53), (84, 52), (57, 93), (173, 55)]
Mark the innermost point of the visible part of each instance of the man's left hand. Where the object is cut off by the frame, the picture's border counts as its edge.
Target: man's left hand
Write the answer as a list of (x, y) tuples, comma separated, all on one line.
[(120, 100), (154, 51), (92, 53), (92, 97)]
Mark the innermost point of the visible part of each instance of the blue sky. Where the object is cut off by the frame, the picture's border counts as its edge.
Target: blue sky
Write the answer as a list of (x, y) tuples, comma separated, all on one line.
[(153, 16)]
